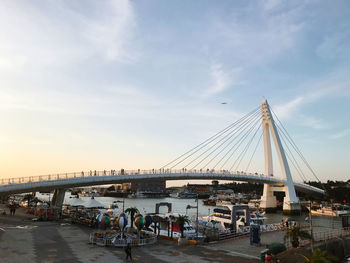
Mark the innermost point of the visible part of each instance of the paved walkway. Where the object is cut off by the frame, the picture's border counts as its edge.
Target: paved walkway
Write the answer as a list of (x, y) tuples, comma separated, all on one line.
[(23, 240)]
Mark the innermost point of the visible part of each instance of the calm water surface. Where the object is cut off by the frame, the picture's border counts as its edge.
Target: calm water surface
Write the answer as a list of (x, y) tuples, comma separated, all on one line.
[(147, 205)]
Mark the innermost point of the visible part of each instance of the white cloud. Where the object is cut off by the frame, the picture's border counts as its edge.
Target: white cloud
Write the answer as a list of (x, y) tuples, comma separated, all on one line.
[(332, 85), (270, 4), (267, 36), (340, 134), (334, 45), (50, 34), (222, 79), (288, 109), (291, 110), (312, 122), (111, 33)]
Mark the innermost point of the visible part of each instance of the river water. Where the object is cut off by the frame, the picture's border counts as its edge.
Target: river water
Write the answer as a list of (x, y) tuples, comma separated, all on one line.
[(147, 205)]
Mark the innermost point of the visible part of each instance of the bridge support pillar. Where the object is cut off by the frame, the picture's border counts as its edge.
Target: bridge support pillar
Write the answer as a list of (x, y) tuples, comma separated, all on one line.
[(268, 201), (291, 208), (57, 201), (291, 205), (291, 201)]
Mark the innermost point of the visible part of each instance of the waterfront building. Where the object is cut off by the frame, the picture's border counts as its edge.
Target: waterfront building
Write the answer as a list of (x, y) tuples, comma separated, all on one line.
[(158, 186)]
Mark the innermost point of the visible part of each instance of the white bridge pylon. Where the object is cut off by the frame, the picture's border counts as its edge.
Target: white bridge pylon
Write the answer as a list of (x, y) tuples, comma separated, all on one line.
[(291, 202)]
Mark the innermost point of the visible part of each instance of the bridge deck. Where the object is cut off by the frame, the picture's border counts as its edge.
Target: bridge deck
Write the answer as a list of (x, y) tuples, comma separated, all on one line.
[(79, 179)]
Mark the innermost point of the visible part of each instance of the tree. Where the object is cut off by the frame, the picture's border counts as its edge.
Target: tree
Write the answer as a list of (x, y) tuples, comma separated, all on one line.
[(132, 211), (320, 256), (181, 221), (294, 233)]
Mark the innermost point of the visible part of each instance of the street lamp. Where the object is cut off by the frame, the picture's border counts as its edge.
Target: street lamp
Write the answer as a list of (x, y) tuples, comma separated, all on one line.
[(189, 207), (122, 202), (311, 230)]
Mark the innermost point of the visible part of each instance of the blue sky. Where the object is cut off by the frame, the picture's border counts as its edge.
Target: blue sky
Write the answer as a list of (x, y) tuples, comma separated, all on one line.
[(133, 84)]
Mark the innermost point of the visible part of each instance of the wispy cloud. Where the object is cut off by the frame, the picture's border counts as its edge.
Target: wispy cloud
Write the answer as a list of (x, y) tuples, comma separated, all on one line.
[(111, 33), (340, 134), (335, 43), (335, 84), (49, 35), (261, 39), (291, 110), (222, 79), (288, 109), (312, 122), (270, 4)]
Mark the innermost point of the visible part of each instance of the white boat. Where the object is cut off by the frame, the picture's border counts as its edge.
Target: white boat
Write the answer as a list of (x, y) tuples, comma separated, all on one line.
[(223, 203), (223, 216), (328, 211), (137, 195), (253, 204)]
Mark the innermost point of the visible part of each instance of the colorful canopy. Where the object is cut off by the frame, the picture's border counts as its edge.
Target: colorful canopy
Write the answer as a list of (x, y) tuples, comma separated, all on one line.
[(122, 220), (148, 220), (139, 222)]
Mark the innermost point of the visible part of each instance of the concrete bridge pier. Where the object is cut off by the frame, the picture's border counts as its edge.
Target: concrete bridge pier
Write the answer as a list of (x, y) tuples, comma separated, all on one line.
[(268, 201), (57, 201), (291, 203)]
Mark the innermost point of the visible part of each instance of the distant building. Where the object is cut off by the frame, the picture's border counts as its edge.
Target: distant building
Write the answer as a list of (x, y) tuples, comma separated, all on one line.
[(200, 188), (149, 186), (126, 186)]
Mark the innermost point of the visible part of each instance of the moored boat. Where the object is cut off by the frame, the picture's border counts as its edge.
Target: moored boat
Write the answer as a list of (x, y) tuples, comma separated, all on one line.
[(328, 211)]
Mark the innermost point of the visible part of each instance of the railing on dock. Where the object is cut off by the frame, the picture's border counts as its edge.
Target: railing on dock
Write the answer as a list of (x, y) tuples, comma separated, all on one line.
[(323, 236), (109, 240), (215, 234)]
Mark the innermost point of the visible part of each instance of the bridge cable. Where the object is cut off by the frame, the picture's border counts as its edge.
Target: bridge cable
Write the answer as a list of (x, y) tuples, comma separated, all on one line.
[(301, 173), (206, 165), (223, 138), (256, 147), (296, 148), (245, 150), (292, 162), (234, 148), (239, 142), (298, 151), (225, 155), (243, 124), (207, 141)]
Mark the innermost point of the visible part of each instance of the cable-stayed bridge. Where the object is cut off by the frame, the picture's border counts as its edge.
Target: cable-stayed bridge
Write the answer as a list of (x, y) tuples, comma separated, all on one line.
[(228, 155)]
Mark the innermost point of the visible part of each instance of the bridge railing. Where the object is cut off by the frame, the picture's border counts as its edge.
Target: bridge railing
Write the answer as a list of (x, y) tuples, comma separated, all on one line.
[(82, 174)]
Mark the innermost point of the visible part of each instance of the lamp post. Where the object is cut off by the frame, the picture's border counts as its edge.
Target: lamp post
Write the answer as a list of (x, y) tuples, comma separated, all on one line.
[(311, 231), (122, 202), (189, 207)]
